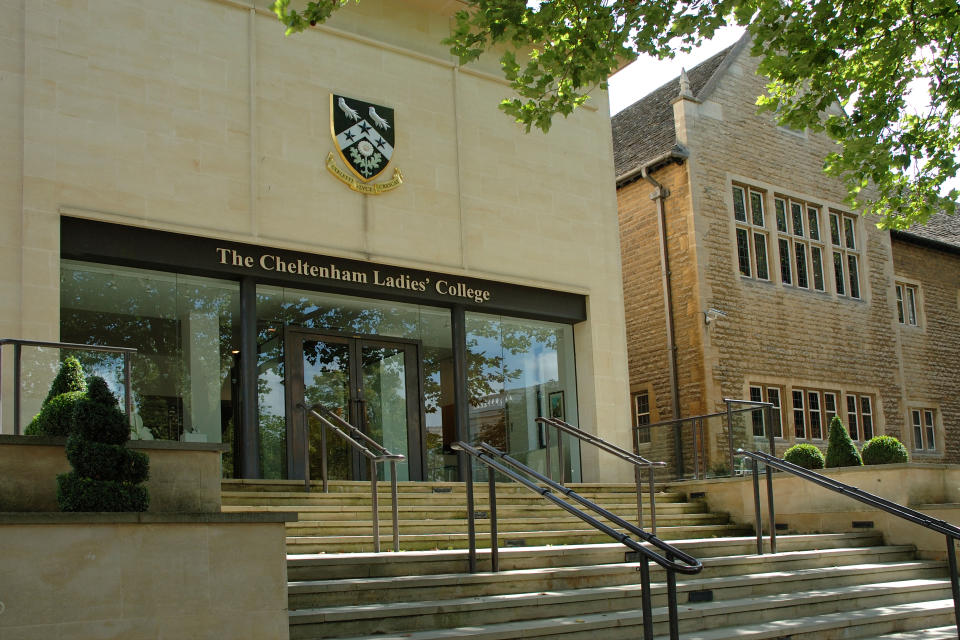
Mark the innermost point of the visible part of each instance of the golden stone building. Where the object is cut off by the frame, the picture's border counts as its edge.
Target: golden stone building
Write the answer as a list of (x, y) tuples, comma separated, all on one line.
[(775, 289)]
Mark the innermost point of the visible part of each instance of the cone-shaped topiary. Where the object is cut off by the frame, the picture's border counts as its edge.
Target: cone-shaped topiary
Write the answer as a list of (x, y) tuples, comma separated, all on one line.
[(804, 455), (69, 378), (56, 413), (884, 450), (841, 452), (106, 475)]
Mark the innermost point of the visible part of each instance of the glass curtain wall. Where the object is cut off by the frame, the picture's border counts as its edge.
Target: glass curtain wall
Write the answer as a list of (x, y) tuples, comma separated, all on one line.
[(518, 370), (186, 331), (279, 307)]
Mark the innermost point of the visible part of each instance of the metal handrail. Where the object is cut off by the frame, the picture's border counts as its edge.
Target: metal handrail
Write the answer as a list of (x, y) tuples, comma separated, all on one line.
[(373, 451), (513, 469), (638, 462), (18, 345), (951, 532)]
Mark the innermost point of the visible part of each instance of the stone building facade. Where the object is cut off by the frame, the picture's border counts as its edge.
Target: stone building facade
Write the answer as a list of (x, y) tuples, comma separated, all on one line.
[(776, 290)]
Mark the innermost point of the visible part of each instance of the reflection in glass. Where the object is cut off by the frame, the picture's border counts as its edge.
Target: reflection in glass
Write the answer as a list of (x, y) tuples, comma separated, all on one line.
[(514, 368), (185, 330)]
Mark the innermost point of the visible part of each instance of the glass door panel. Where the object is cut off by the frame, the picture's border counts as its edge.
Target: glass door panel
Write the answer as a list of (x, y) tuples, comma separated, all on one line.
[(386, 402), (326, 380)]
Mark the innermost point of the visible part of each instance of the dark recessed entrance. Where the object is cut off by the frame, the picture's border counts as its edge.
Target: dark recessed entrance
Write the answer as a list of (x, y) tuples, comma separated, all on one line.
[(370, 381)]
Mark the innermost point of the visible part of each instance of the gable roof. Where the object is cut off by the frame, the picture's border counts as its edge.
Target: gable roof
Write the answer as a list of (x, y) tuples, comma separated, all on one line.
[(646, 130), (941, 231)]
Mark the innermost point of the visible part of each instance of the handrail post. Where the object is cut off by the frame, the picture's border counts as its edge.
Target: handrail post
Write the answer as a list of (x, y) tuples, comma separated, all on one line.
[(645, 598), (323, 457), (546, 445), (471, 519), (771, 514), (560, 464), (127, 388), (954, 585), (653, 501), (396, 507), (730, 435), (306, 449), (375, 505), (494, 544), (639, 479), (758, 523), (17, 349), (672, 601), (696, 449)]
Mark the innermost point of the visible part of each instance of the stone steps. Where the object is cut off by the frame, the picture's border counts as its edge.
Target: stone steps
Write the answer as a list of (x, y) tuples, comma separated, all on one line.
[(938, 633), (808, 578)]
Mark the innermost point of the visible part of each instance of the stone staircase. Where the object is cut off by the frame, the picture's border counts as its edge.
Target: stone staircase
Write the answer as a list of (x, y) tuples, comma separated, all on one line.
[(824, 587)]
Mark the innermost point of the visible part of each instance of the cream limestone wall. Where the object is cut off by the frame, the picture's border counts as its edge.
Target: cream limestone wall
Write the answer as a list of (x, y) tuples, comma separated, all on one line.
[(199, 116), (82, 576)]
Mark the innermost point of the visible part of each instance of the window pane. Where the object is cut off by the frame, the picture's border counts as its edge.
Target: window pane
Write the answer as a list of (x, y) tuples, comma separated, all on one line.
[(756, 395), (773, 397), (900, 303), (928, 421), (781, 208), (848, 233), (739, 208), (838, 272), (830, 406), (917, 430), (743, 252), (756, 208), (801, 265), (852, 417), (812, 218), (785, 269), (760, 246), (816, 258), (642, 413), (797, 212), (799, 428), (866, 417), (816, 432), (911, 306), (854, 277), (835, 229)]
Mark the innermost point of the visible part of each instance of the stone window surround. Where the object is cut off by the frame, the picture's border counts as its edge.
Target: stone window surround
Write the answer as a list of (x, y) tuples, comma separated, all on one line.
[(902, 287), (840, 394), (927, 411), (757, 235), (824, 208), (651, 414)]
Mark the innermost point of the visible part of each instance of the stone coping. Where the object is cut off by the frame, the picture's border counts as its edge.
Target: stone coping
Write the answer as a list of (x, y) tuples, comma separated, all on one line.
[(173, 445), (61, 518), (867, 468)]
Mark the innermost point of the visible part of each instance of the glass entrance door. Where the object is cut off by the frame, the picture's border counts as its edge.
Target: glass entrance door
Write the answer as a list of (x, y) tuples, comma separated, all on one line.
[(373, 383)]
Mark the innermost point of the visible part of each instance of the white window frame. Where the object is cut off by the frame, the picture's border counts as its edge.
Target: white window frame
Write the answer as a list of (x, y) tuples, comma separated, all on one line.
[(908, 303), (925, 429), (773, 394), (753, 226), (844, 254), (639, 416)]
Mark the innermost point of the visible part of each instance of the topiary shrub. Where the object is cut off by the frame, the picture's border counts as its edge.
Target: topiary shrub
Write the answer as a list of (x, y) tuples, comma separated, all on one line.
[(841, 452), (804, 455), (106, 475), (56, 413), (884, 450)]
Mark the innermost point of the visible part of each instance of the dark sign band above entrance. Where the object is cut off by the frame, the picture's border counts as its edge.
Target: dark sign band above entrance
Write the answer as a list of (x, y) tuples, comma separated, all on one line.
[(147, 248)]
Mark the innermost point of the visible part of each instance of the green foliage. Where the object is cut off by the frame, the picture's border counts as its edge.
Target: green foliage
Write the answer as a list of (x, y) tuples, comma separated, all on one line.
[(866, 55), (841, 452), (77, 493), (69, 378), (105, 473), (804, 455), (884, 450), (56, 415)]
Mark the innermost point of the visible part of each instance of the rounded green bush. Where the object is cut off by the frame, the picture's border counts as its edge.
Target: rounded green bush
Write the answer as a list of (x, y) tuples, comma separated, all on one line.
[(56, 416), (99, 461), (76, 493), (804, 455), (884, 450)]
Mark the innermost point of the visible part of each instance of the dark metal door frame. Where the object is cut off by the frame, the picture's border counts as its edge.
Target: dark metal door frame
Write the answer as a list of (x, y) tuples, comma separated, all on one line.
[(293, 339)]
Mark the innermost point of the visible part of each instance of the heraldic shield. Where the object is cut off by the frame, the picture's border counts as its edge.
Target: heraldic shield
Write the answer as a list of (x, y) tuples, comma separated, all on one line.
[(364, 134)]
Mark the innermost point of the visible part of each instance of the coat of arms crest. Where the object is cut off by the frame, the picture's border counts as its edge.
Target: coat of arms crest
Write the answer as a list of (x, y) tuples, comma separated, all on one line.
[(365, 140)]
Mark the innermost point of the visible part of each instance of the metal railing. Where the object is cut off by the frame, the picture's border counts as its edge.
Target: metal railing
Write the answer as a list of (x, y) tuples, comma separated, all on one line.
[(639, 462), (515, 470), (18, 345), (697, 425), (372, 450), (951, 532)]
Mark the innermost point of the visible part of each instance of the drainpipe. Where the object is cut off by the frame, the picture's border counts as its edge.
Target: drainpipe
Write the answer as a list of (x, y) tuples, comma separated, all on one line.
[(660, 193)]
